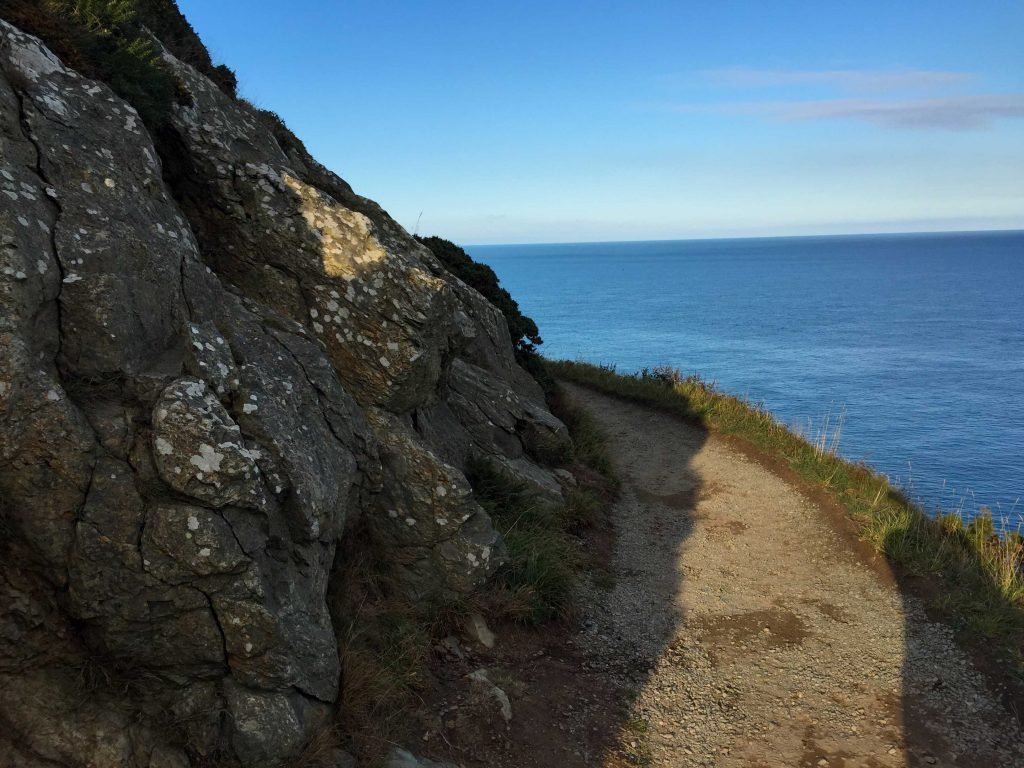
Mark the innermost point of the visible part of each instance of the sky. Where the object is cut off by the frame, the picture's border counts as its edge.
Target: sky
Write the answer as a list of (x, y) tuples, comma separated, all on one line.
[(490, 122)]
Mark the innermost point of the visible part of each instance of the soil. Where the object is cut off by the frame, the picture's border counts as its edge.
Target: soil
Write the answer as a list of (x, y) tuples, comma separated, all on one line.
[(733, 624)]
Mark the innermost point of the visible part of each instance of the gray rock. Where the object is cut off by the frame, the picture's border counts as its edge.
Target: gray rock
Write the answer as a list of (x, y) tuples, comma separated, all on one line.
[(200, 392), (266, 726), (476, 627), (488, 697), (198, 448), (442, 539)]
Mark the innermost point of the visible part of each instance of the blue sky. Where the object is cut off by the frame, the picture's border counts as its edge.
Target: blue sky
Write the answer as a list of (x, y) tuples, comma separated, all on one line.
[(570, 121)]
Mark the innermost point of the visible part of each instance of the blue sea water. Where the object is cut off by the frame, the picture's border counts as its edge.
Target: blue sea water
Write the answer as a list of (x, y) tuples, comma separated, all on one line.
[(918, 339)]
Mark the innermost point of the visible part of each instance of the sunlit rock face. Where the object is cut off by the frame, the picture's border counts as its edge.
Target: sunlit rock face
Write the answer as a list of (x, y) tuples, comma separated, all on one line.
[(215, 358)]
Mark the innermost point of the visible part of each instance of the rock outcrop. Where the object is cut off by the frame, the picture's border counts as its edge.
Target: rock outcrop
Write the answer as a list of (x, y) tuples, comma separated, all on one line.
[(215, 358)]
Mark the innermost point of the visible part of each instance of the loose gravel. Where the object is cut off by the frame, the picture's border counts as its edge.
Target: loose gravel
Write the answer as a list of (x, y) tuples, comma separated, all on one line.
[(746, 632)]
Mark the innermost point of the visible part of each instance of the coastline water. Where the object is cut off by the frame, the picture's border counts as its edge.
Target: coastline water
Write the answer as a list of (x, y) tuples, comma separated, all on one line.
[(913, 343)]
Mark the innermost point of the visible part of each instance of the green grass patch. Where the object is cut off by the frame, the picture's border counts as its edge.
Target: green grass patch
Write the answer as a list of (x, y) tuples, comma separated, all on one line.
[(536, 584), (978, 574), (543, 537)]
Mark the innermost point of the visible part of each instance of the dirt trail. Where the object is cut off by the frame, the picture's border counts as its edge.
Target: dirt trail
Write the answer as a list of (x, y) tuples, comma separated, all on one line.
[(751, 634)]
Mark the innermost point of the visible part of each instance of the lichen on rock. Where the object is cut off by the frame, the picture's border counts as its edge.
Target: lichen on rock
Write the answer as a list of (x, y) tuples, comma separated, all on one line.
[(216, 361)]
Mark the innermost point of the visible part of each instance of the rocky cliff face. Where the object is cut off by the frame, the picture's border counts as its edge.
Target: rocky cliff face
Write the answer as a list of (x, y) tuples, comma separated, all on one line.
[(214, 359)]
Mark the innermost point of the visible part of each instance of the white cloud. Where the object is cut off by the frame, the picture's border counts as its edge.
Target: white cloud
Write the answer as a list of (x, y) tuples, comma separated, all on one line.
[(961, 113), (844, 79)]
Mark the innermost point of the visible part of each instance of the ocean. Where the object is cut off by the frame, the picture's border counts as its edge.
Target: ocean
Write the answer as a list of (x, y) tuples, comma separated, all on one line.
[(915, 342)]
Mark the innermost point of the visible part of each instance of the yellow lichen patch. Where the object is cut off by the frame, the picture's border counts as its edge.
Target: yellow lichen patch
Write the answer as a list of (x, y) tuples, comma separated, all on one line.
[(347, 237)]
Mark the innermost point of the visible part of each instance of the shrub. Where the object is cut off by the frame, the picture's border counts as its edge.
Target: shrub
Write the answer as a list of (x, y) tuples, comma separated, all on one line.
[(523, 331), (110, 40)]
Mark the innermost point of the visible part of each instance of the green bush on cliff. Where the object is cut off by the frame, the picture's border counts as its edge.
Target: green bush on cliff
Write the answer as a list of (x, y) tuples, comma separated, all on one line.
[(109, 40), (525, 336)]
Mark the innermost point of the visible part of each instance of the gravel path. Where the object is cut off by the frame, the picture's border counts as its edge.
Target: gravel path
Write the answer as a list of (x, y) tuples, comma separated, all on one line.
[(751, 634)]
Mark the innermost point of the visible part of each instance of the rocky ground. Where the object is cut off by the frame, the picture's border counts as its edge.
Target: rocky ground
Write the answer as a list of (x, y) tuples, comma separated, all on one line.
[(737, 626)]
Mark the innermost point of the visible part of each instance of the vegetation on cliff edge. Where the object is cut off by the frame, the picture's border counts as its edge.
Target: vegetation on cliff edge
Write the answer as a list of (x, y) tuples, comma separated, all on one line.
[(525, 336), (977, 575), (110, 40)]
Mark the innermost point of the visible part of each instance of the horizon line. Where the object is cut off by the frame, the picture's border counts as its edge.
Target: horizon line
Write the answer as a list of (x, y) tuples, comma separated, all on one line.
[(751, 237)]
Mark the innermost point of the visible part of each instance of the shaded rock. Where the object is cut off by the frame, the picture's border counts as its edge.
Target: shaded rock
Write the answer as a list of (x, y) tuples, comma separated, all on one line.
[(47, 453), (489, 697), (44, 709), (443, 541), (198, 448), (200, 393), (476, 627), (267, 725)]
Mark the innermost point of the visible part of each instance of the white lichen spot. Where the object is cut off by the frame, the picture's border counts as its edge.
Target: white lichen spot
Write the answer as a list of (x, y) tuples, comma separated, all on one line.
[(55, 104), (248, 647), (109, 183), (72, 278), (41, 267), (204, 552), (250, 408), (385, 362), (441, 521), (207, 460), (163, 447), (193, 523), (441, 491), (53, 396), (23, 221), (392, 514), (410, 521)]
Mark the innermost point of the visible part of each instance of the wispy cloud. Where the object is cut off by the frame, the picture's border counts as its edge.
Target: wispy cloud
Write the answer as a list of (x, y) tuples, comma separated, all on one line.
[(899, 98), (844, 79), (959, 113)]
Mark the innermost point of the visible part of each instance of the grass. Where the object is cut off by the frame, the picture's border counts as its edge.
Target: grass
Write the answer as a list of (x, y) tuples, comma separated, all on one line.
[(386, 643), (977, 575), (536, 583)]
